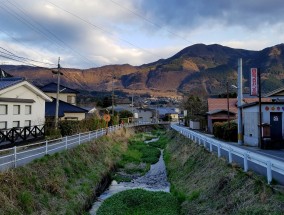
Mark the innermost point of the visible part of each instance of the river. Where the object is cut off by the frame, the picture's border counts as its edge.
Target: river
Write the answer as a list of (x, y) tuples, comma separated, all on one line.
[(154, 180)]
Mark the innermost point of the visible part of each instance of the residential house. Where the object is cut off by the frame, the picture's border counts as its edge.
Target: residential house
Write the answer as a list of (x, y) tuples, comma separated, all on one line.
[(21, 103), (67, 109), (218, 109), (139, 114), (66, 94)]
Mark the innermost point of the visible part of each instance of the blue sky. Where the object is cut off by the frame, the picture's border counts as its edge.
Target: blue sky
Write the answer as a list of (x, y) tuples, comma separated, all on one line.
[(91, 33)]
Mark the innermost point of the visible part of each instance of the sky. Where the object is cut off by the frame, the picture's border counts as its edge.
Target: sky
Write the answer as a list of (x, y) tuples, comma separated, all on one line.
[(93, 33)]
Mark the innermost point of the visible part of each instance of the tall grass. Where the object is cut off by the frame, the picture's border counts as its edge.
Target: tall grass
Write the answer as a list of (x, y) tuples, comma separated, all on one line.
[(205, 184), (63, 183)]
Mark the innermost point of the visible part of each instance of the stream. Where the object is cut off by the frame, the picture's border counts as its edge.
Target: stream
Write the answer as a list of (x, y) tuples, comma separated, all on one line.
[(154, 180)]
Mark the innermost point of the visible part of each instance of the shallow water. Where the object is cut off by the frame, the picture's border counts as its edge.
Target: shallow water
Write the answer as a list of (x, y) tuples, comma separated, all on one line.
[(154, 180)]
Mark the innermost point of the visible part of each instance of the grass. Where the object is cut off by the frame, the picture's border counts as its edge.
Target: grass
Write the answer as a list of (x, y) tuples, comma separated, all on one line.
[(137, 154), (140, 202), (204, 184), (63, 183)]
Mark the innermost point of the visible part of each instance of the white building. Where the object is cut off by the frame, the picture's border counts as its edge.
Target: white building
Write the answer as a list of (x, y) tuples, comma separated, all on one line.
[(272, 117), (21, 103)]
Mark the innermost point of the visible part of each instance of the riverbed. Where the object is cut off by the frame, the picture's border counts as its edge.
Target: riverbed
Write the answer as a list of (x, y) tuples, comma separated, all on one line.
[(154, 180)]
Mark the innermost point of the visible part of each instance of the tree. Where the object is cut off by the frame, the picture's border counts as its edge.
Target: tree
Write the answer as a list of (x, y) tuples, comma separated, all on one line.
[(125, 114), (196, 107)]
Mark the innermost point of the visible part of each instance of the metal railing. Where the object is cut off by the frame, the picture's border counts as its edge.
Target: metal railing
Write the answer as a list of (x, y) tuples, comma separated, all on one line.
[(271, 168), (21, 155)]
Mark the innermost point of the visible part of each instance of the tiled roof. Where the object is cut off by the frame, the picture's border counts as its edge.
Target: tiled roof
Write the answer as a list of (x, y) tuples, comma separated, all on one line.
[(52, 88), (64, 107), (221, 103)]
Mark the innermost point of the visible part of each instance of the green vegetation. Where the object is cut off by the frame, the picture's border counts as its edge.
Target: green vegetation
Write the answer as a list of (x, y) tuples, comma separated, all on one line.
[(138, 158), (63, 183), (205, 184), (140, 202), (226, 131)]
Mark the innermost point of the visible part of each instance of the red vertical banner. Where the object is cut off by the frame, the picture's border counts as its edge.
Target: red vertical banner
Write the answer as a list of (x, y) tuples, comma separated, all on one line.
[(253, 82)]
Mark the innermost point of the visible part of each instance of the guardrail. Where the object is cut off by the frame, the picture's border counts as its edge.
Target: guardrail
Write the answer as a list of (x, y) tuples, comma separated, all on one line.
[(21, 155), (271, 165)]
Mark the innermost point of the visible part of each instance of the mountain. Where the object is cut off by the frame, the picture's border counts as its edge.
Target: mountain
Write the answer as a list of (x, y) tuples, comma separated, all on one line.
[(198, 69)]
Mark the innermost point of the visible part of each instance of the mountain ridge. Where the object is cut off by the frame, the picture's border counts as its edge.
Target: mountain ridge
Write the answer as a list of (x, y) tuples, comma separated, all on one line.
[(198, 69)]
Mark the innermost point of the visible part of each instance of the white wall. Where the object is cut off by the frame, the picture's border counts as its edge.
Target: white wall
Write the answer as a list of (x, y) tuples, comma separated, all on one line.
[(63, 97), (79, 116), (251, 121), (37, 116)]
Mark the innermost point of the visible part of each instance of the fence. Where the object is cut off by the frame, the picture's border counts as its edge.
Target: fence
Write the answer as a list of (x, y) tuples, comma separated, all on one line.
[(21, 133), (21, 155), (271, 168)]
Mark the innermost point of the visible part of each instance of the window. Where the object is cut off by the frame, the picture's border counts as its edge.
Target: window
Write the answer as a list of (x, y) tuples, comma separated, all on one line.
[(3, 125), (16, 109), (28, 123), (16, 124), (3, 109), (71, 99), (28, 109)]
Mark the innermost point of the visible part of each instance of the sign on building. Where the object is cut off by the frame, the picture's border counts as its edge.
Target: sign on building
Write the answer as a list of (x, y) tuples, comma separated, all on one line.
[(253, 82)]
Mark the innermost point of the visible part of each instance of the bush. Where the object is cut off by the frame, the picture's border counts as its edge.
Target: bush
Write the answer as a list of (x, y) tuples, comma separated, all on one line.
[(223, 131), (218, 129)]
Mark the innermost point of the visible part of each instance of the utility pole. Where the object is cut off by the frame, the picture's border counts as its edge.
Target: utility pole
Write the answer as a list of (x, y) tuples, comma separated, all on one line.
[(57, 92), (112, 96), (259, 110), (228, 106), (240, 101)]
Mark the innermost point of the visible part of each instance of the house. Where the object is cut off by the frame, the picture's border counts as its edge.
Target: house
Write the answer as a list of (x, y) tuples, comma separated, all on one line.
[(21, 103), (139, 114), (67, 109), (172, 113), (272, 121), (218, 109), (66, 94)]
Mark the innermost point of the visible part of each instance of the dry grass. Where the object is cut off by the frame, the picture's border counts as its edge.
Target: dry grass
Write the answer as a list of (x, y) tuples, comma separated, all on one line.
[(63, 183), (208, 185)]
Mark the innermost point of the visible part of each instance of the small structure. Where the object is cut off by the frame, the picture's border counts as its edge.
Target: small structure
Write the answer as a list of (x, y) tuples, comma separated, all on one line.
[(273, 122), (218, 116)]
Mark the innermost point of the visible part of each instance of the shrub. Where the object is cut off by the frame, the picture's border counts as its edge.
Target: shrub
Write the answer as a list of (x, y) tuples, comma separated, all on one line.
[(218, 129), (223, 131)]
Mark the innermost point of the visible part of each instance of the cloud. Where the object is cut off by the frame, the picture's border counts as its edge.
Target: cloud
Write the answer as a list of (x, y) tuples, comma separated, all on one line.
[(188, 14), (89, 33)]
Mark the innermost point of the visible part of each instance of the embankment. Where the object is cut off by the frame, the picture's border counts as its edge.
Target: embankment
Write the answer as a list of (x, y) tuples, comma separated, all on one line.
[(205, 184), (62, 183)]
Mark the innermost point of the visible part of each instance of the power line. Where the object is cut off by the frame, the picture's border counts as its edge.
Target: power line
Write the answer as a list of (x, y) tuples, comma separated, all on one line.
[(12, 54), (22, 43), (100, 28), (36, 28)]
